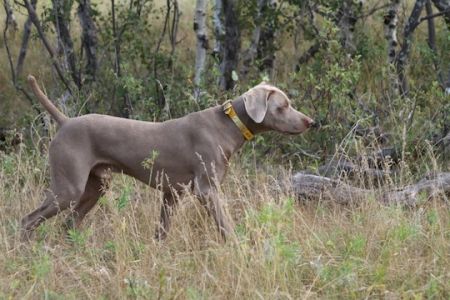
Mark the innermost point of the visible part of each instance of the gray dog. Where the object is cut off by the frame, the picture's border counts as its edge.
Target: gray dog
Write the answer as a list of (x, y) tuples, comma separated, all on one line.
[(191, 152)]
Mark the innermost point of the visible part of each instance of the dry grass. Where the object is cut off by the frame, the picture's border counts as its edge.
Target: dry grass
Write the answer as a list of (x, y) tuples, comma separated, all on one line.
[(281, 250)]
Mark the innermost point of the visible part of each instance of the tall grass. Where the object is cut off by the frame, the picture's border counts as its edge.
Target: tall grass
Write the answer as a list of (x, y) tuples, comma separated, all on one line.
[(282, 248)]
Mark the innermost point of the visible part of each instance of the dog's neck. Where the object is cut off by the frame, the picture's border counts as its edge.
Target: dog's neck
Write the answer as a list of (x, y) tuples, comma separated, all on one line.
[(233, 139), (239, 107)]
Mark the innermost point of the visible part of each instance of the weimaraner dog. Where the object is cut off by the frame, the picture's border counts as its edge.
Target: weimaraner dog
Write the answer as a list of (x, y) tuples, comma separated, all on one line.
[(189, 153)]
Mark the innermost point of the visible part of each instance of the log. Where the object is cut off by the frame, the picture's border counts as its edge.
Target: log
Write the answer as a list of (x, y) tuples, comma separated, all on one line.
[(314, 187)]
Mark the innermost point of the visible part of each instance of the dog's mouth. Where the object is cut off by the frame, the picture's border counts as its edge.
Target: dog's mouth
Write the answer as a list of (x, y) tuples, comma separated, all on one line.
[(292, 133)]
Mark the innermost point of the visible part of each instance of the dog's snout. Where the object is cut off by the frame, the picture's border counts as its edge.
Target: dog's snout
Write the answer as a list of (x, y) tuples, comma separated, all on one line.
[(309, 123)]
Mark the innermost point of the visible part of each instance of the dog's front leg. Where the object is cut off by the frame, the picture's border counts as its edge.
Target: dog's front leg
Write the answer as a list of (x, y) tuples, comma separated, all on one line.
[(210, 200), (167, 208)]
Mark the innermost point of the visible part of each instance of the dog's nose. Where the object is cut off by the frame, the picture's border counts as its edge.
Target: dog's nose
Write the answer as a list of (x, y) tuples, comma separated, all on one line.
[(309, 123), (314, 124)]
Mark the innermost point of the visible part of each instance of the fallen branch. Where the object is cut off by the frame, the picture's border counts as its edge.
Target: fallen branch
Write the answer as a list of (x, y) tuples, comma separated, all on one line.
[(313, 187)]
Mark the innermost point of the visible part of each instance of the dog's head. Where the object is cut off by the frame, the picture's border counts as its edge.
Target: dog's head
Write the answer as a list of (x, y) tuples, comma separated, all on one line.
[(270, 107)]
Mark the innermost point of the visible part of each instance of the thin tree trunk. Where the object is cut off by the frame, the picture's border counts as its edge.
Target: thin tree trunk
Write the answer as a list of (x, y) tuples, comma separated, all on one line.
[(313, 50), (125, 109), (232, 44), (202, 45), (88, 38), (219, 30), (401, 61), (34, 18), (346, 20), (10, 60), (266, 48), (432, 40), (61, 12), (25, 40), (444, 7), (173, 29), (12, 21), (160, 99), (308, 19), (249, 55), (390, 33)]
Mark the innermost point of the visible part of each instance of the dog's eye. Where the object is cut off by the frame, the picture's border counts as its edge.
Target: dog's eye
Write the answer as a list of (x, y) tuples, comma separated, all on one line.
[(282, 108)]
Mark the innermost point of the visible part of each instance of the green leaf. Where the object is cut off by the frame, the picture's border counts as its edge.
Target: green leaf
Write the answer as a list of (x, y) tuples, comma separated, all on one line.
[(234, 76)]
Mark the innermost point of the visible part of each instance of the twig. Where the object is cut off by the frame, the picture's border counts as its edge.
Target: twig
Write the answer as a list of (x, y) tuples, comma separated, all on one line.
[(372, 11), (432, 16)]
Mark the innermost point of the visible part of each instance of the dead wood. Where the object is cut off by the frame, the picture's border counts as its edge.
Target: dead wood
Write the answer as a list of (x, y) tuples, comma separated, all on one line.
[(313, 187)]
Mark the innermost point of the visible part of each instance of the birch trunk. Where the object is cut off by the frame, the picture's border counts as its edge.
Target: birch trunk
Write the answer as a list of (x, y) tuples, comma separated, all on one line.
[(390, 33), (202, 45), (12, 21)]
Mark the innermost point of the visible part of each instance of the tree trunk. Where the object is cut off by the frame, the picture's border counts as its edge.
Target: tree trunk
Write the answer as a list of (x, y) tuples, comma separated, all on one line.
[(88, 38), (24, 44), (219, 30), (432, 41), (266, 48), (61, 14), (444, 7), (202, 45), (35, 20), (10, 15), (232, 44), (390, 33), (346, 20), (401, 60), (249, 55), (173, 29), (262, 46)]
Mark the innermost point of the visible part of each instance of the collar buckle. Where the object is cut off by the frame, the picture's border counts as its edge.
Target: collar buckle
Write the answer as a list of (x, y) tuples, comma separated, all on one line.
[(231, 113)]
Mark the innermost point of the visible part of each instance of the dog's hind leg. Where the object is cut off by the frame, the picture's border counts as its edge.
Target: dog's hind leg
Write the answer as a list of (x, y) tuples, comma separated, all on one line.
[(94, 190), (66, 190)]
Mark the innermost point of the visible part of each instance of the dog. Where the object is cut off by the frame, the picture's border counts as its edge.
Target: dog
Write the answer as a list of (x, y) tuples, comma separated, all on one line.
[(192, 151)]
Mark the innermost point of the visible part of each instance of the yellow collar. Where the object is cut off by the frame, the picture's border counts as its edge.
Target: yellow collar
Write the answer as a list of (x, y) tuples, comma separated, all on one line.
[(230, 112)]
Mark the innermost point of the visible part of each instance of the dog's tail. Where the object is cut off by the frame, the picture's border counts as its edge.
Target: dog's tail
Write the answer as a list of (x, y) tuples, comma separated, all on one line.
[(56, 113)]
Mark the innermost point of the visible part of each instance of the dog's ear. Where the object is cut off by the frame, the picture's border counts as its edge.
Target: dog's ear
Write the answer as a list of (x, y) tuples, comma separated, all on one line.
[(255, 101)]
